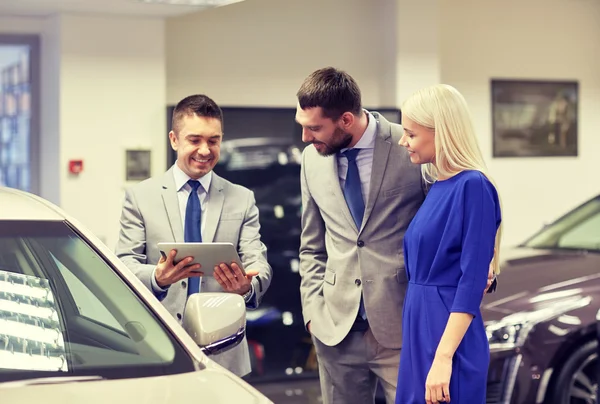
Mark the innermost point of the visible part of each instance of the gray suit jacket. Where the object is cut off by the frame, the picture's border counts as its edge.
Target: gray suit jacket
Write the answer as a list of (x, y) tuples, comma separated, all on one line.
[(339, 261), (151, 215)]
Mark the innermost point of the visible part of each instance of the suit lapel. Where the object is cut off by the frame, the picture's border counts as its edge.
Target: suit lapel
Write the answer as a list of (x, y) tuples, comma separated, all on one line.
[(216, 197), (331, 176), (381, 154), (171, 203)]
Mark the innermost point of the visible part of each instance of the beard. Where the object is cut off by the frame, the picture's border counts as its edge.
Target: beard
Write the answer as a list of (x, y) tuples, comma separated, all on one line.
[(339, 140)]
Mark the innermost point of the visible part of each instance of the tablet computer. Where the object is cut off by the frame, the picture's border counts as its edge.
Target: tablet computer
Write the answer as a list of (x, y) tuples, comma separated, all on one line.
[(208, 255)]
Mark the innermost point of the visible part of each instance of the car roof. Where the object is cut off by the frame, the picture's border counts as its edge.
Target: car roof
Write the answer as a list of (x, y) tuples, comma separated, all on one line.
[(20, 205)]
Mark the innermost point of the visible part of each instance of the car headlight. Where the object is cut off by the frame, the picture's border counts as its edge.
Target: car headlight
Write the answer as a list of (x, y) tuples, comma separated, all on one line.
[(506, 335), (512, 331)]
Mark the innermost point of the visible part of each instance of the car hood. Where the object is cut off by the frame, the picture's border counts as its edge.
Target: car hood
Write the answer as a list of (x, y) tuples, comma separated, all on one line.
[(207, 386), (532, 279)]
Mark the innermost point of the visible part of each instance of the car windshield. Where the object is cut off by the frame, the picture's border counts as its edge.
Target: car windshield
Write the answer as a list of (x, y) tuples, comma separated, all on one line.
[(64, 311), (577, 230)]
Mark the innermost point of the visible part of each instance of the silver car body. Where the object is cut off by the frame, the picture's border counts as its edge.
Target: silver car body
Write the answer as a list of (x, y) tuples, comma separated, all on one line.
[(209, 383)]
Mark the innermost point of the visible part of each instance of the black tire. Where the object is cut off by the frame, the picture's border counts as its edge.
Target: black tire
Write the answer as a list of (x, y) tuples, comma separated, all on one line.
[(577, 379)]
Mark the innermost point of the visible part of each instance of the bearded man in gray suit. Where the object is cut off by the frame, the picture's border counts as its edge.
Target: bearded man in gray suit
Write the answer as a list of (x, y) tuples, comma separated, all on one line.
[(359, 193), (191, 203)]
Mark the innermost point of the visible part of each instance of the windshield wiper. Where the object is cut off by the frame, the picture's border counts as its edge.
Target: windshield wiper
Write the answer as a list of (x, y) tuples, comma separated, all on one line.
[(50, 380)]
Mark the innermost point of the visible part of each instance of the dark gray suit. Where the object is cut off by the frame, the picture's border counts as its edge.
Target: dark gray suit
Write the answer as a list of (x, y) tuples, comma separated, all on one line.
[(151, 215), (338, 262)]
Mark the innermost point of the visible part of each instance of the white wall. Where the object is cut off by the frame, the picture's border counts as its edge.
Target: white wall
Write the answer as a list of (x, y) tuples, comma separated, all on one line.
[(21, 25), (112, 83), (533, 39), (417, 56), (50, 141), (103, 91), (258, 52)]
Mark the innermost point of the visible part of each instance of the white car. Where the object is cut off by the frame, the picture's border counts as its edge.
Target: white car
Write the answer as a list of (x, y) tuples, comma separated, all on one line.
[(76, 326)]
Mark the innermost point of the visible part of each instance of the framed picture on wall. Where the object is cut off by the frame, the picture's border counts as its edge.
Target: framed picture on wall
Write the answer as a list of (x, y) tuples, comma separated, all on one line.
[(534, 118), (137, 165)]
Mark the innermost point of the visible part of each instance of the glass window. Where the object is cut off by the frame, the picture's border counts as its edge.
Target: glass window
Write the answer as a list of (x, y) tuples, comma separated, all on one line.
[(88, 305), (586, 235), (577, 230), (63, 310), (19, 112), (15, 114)]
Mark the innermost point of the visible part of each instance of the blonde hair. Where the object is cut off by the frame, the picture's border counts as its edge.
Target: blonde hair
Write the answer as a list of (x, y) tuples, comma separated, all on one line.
[(444, 110)]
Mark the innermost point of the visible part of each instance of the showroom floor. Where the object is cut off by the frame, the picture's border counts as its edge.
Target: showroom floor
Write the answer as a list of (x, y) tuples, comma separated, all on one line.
[(297, 392)]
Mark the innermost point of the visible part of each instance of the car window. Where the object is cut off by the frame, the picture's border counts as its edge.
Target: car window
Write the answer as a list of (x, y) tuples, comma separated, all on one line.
[(585, 235), (64, 310), (88, 305), (579, 230)]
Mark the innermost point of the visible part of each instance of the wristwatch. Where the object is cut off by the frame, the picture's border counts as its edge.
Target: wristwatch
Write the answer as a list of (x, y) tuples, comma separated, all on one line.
[(248, 294)]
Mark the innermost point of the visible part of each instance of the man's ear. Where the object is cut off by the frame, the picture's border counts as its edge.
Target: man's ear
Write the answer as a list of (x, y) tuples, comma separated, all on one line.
[(174, 140), (347, 119)]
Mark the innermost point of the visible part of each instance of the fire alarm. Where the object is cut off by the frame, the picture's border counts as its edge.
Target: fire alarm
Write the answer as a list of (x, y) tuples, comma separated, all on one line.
[(75, 166)]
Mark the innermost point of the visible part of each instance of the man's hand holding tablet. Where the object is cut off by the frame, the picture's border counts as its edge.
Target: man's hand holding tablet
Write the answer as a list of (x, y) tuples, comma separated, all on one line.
[(184, 260), (169, 272), (233, 279)]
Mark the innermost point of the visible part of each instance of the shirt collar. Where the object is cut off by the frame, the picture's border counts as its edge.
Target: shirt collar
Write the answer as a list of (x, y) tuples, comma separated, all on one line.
[(182, 178), (367, 140)]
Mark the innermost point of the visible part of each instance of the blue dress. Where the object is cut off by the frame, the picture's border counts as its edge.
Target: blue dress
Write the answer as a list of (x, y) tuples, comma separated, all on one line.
[(447, 251)]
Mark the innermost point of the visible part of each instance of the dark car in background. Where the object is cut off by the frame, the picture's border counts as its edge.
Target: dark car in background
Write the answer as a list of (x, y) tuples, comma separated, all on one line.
[(279, 344), (541, 321)]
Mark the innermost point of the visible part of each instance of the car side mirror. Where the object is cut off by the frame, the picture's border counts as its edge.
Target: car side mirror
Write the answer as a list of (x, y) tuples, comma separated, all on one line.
[(215, 321)]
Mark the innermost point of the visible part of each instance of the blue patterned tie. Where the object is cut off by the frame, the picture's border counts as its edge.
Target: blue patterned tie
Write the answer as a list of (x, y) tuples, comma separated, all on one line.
[(355, 201), (193, 220)]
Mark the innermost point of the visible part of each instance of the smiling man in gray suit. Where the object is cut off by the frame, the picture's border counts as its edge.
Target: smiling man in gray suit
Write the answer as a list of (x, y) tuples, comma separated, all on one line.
[(190, 203), (359, 194)]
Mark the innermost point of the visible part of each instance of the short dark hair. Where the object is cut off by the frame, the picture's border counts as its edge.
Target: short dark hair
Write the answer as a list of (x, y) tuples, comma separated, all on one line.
[(335, 91), (198, 104)]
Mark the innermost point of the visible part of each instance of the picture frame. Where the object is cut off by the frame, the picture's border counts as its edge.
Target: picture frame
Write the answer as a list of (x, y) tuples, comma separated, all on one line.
[(138, 164), (534, 118)]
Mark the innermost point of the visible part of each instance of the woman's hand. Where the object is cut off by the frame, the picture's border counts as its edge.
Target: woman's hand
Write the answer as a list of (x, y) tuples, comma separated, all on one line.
[(437, 385)]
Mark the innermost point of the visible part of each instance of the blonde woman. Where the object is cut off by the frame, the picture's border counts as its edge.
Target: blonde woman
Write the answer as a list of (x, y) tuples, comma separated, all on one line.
[(447, 250)]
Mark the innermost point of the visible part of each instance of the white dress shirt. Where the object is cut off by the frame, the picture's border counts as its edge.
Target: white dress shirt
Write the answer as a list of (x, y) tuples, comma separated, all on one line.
[(364, 159)]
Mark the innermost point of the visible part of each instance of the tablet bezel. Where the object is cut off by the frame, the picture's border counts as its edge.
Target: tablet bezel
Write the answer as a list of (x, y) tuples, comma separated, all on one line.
[(210, 254)]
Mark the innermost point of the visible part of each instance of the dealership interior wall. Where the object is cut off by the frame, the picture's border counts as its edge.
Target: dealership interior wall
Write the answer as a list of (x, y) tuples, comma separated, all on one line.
[(106, 81)]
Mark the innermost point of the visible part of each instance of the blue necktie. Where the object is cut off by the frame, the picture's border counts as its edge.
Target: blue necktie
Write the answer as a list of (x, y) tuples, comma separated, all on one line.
[(355, 201), (352, 188), (193, 216)]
